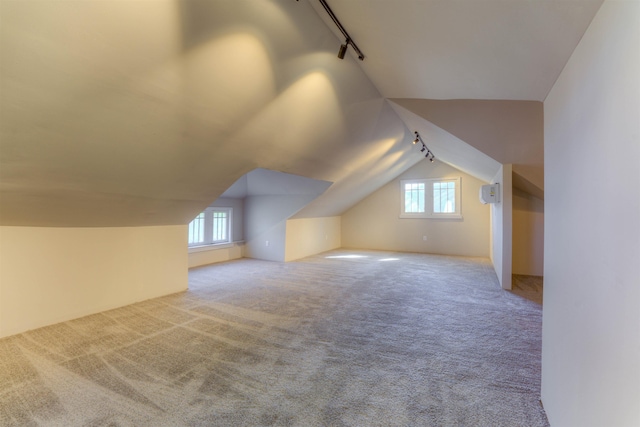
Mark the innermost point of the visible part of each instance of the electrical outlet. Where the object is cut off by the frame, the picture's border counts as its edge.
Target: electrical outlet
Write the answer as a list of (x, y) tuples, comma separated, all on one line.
[(424, 238), (266, 243)]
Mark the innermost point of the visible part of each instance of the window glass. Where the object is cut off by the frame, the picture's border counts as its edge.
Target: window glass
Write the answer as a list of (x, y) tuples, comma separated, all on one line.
[(430, 198), (196, 230), (444, 197), (414, 197), (219, 227), (210, 227)]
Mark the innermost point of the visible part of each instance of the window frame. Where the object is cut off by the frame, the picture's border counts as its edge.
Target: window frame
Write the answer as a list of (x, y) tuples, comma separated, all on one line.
[(428, 199), (208, 227), (403, 192)]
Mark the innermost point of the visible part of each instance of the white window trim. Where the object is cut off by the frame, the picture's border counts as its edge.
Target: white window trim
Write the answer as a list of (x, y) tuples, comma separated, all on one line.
[(404, 214), (428, 203), (208, 224)]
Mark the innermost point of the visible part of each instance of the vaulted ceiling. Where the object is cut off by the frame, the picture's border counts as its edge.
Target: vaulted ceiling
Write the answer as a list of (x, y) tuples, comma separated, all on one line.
[(464, 49), (142, 113), (478, 70)]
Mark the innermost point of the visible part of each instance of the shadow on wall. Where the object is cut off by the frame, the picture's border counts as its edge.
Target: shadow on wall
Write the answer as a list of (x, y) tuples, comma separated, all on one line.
[(528, 234), (260, 89), (268, 199)]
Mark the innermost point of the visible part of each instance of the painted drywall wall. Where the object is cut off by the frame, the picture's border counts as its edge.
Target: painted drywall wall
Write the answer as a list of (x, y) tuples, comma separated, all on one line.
[(49, 275), (506, 130), (591, 318), (310, 236), (374, 223), (528, 234), (214, 254), (501, 227), (265, 224)]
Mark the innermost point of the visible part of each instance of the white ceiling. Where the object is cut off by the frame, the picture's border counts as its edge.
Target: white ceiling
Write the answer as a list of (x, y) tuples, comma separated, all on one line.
[(470, 73), (135, 113), (463, 49), (263, 182), (450, 149)]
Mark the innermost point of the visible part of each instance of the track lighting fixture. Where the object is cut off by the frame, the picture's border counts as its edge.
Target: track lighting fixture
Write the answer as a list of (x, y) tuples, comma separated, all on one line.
[(348, 40), (343, 49), (428, 155)]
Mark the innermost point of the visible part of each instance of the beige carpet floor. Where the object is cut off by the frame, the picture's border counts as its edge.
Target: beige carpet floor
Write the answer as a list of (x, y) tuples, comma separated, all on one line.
[(346, 338)]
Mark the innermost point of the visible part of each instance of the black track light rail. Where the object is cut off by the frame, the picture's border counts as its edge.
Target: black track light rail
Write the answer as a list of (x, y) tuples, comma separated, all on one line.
[(424, 148), (348, 39)]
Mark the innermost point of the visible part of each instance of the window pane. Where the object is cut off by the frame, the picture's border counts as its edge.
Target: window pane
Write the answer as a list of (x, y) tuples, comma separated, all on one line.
[(444, 197), (196, 230), (220, 227), (451, 198), (414, 197), (436, 198)]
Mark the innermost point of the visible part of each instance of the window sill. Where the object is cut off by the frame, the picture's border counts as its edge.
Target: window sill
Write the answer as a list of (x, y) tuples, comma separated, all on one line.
[(215, 246), (427, 216)]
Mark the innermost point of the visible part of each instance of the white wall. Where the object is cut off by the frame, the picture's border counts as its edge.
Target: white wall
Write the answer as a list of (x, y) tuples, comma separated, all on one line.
[(310, 236), (302, 237), (205, 255), (591, 319), (374, 223), (265, 224), (49, 275), (501, 227), (528, 234)]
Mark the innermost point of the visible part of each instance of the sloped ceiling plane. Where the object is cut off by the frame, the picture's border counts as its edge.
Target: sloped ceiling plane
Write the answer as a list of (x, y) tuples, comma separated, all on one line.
[(143, 113)]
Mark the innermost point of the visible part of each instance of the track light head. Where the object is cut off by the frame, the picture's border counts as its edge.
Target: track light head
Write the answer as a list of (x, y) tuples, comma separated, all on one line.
[(428, 155), (343, 49)]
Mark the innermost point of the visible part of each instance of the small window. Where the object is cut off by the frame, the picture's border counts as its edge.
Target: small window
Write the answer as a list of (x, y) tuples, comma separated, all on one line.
[(211, 227), (430, 198), (414, 197), (220, 228), (444, 197), (196, 230)]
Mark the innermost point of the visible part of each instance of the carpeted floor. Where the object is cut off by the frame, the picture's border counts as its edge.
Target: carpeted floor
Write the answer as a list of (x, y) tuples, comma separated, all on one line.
[(339, 339)]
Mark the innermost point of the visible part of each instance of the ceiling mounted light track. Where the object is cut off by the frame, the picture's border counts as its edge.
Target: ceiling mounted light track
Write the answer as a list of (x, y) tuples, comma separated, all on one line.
[(347, 39), (418, 140)]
